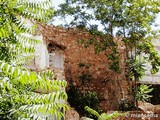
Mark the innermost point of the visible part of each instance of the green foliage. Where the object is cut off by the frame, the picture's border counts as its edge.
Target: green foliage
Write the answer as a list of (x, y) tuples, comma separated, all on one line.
[(84, 65), (142, 93), (153, 55), (136, 68), (85, 77), (104, 116), (90, 98), (81, 64), (126, 105), (19, 97), (13, 30), (132, 20), (25, 94), (105, 42), (79, 100), (114, 57)]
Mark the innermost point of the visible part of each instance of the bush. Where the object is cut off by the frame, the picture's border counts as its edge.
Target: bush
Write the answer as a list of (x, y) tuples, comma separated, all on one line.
[(126, 105), (79, 101)]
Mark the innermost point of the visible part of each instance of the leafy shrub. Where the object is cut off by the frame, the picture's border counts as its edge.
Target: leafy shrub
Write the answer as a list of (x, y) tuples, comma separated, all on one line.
[(79, 100), (103, 116), (137, 68), (142, 92)]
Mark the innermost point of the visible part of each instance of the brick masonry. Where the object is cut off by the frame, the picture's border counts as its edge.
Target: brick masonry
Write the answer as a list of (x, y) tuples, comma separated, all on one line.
[(87, 70)]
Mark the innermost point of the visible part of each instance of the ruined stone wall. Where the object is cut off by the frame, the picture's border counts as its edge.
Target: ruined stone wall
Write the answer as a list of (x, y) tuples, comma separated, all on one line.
[(87, 70)]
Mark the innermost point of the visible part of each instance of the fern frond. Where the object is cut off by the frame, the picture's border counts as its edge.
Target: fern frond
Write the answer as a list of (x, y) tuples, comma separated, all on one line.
[(93, 112)]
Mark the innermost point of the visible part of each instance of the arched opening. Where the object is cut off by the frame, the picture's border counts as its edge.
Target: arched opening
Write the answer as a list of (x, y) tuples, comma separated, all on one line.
[(56, 60)]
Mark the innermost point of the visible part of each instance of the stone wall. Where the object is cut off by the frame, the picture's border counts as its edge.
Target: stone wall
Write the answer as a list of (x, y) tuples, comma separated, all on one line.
[(87, 70), (152, 78)]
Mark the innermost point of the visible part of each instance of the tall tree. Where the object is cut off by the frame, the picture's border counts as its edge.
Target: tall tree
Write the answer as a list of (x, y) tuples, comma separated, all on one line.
[(19, 87), (130, 19)]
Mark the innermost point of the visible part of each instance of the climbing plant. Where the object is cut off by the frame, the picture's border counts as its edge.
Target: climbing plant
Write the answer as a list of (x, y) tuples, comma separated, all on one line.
[(128, 20), (25, 94)]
